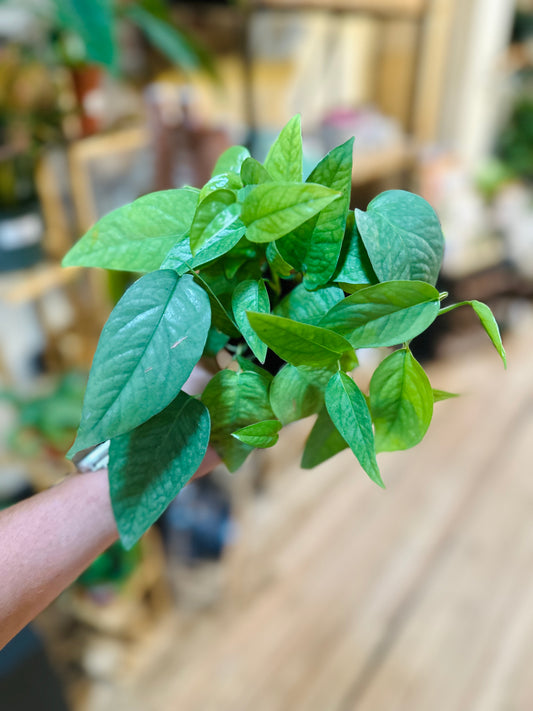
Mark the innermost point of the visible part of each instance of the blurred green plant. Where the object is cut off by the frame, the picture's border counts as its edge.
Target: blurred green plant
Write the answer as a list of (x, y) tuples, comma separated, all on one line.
[(46, 422)]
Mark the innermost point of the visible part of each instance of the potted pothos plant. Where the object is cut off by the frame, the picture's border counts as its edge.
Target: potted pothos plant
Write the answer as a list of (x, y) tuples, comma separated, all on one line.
[(261, 262)]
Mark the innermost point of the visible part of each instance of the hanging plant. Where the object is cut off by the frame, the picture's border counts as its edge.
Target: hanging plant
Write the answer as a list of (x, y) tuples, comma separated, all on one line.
[(278, 271)]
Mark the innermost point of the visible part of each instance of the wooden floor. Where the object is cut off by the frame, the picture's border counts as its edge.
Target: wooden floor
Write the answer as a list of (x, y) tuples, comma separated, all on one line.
[(418, 598)]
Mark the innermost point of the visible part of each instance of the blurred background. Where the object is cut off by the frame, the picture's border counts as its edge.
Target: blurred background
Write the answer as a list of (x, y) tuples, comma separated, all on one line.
[(279, 588)]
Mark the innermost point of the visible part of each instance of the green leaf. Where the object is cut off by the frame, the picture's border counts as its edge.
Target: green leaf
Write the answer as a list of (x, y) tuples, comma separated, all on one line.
[(308, 306), (95, 24), (181, 259), (401, 401), (253, 173), (234, 401), (488, 322), (439, 395), (285, 157), (354, 265), (277, 264), (335, 172), (385, 314), (231, 160), (247, 365), (261, 434), (229, 181), (147, 350), (138, 236), (349, 413), (298, 392), (218, 211), (299, 343), (272, 210), (150, 465), (251, 296), (323, 442), (169, 40), (403, 237), (216, 340)]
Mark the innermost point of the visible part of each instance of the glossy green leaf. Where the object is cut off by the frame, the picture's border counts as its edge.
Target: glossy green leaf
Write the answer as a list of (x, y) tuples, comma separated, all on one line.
[(260, 434), (354, 265), (488, 322), (216, 340), (234, 401), (231, 160), (299, 343), (385, 314), (251, 296), (298, 392), (277, 264), (349, 413), (490, 325), (253, 173), (403, 237), (224, 181), (272, 210), (335, 172), (218, 211), (323, 442), (150, 465), (285, 157), (181, 259), (308, 306), (147, 350), (401, 401), (138, 236), (440, 395)]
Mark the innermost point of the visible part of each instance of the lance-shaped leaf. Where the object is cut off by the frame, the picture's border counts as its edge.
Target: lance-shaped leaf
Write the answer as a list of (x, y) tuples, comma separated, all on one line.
[(299, 343), (229, 181), (231, 160), (308, 306), (138, 236), (323, 442), (298, 392), (272, 210), (401, 401), (402, 236), (181, 259), (440, 395), (334, 171), (147, 350), (213, 215), (349, 413), (384, 314), (354, 265), (150, 465), (251, 295), (235, 400), (260, 434), (285, 157), (253, 173), (488, 322)]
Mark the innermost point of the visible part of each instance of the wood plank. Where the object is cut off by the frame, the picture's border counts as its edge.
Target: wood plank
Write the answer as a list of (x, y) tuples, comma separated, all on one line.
[(411, 8)]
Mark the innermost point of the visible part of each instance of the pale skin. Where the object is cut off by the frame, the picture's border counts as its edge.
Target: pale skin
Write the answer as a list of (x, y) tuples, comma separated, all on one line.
[(48, 540)]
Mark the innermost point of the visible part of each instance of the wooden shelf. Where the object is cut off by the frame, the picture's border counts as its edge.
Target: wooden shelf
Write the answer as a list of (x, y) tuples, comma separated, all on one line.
[(373, 165), (403, 8)]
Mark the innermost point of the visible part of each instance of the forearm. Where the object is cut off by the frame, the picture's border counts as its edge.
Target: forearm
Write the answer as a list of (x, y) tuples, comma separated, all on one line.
[(46, 542)]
